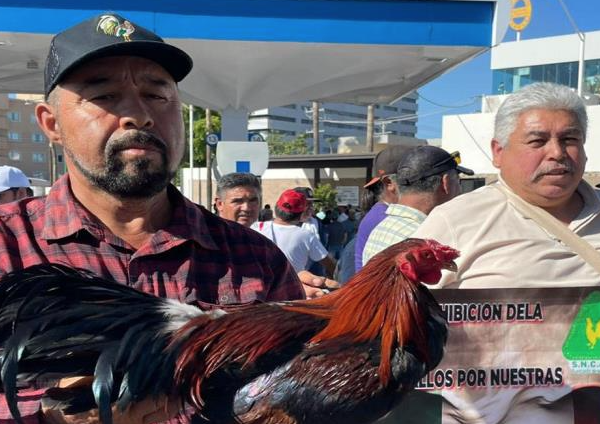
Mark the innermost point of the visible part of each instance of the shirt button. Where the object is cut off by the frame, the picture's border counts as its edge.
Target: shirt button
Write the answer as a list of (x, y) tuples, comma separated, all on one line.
[(224, 298)]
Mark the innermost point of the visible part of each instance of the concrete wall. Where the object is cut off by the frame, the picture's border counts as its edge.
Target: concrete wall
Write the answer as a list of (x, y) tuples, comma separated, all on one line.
[(539, 51)]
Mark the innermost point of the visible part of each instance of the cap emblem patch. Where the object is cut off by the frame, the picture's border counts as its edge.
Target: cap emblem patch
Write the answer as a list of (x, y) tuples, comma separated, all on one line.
[(110, 25)]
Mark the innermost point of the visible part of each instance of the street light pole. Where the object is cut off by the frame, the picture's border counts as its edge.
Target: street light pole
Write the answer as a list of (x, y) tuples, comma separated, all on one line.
[(581, 35)]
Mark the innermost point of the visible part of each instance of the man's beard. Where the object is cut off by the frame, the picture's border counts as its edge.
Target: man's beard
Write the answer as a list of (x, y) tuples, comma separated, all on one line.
[(140, 181)]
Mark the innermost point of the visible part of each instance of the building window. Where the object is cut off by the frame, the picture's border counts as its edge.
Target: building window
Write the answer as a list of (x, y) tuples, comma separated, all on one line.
[(38, 157), (37, 138), (59, 158), (14, 155), (506, 81), (32, 119), (14, 136), (592, 76), (14, 116)]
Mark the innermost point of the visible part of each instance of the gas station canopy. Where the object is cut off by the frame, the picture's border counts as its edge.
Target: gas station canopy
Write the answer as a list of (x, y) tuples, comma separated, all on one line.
[(250, 54)]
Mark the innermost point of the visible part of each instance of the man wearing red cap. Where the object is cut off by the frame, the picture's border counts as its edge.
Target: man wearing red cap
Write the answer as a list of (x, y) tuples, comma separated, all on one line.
[(297, 244)]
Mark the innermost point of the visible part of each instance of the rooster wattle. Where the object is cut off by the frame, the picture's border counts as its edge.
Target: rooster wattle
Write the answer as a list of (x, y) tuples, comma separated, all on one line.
[(347, 357)]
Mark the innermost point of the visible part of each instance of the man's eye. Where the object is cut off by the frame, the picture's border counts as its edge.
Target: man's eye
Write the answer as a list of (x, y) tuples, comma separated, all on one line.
[(101, 97), (536, 142), (571, 140), (154, 96)]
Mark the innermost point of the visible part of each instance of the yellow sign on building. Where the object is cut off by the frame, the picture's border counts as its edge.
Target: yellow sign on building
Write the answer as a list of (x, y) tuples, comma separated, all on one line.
[(520, 14)]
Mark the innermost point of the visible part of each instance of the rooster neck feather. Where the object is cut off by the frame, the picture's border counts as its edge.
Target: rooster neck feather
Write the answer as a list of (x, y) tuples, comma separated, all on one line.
[(378, 303)]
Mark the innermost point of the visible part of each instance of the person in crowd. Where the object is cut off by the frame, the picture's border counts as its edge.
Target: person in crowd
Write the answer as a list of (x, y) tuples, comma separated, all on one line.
[(312, 224), (308, 221), (266, 213), (113, 105), (14, 185), (298, 244), (539, 148), (238, 197), (427, 176), (349, 223), (380, 192), (336, 237)]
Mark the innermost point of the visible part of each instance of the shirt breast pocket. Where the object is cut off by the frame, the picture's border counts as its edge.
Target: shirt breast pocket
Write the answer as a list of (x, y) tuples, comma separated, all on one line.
[(246, 290)]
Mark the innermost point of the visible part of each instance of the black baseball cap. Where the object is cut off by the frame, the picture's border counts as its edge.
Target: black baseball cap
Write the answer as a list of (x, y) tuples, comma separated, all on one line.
[(386, 162), (109, 35), (307, 191), (424, 161)]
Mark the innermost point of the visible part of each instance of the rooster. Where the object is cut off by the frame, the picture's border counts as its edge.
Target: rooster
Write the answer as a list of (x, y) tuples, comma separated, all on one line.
[(347, 357)]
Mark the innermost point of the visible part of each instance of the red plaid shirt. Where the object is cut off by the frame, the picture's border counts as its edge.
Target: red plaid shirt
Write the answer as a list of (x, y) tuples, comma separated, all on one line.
[(198, 258)]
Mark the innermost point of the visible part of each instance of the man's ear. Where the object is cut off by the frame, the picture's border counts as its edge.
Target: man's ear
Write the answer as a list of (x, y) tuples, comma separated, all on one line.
[(497, 151), (46, 119), (388, 184), (445, 185)]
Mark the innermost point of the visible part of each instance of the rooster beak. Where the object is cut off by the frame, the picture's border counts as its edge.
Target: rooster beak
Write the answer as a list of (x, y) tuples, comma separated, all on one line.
[(450, 266)]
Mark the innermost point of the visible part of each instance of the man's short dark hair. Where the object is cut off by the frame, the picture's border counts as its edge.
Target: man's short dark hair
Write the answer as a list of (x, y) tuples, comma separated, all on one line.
[(425, 185), (287, 216), (237, 179)]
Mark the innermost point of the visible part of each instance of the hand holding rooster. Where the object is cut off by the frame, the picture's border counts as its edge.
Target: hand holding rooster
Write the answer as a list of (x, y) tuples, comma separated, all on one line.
[(347, 357)]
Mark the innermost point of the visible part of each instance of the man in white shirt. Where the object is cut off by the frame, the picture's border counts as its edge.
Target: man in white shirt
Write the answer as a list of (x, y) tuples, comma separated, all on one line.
[(538, 146), (297, 244)]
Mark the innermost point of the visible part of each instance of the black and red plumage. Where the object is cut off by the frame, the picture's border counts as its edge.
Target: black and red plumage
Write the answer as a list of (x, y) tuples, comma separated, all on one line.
[(347, 357)]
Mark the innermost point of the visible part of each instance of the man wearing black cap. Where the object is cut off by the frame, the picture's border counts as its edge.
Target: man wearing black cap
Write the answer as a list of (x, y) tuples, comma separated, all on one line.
[(380, 192), (308, 222), (427, 176), (113, 105)]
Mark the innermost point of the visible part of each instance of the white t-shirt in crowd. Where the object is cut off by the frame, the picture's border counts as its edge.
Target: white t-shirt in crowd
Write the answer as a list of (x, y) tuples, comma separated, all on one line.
[(312, 226), (297, 244)]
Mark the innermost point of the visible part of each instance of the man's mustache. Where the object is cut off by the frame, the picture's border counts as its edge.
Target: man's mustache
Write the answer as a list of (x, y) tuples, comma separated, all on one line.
[(135, 139), (551, 168)]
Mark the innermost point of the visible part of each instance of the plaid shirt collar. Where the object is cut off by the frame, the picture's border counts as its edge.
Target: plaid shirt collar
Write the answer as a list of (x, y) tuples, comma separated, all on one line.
[(187, 222)]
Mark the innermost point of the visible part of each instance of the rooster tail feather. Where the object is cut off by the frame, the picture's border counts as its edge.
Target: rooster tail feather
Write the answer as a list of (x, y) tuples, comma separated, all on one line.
[(8, 374), (102, 387), (57, 322)]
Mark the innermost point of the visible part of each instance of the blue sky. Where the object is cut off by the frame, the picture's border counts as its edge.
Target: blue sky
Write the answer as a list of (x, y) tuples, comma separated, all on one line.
[(463, 85)]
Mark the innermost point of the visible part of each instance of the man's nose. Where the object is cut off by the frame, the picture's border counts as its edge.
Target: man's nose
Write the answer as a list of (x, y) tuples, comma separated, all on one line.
[(555, 148), (135, 113)]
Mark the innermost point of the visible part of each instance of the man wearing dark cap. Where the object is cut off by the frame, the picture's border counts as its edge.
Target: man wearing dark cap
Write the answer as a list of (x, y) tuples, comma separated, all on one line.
[(384, 191), (427, 176), (112, 103), (308, 222)]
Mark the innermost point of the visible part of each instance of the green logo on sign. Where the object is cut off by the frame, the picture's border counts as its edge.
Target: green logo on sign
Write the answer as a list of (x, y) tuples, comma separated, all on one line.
[(582, 345)]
